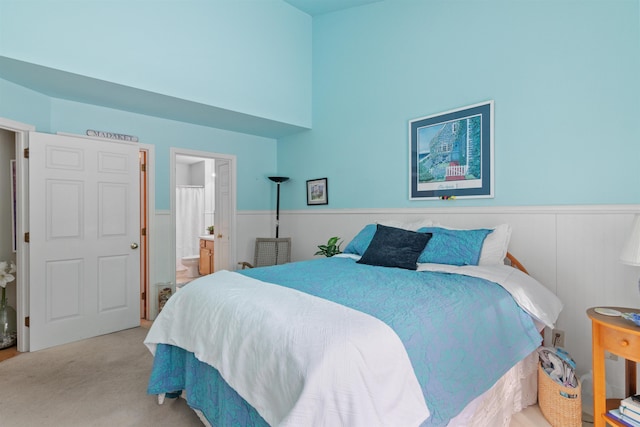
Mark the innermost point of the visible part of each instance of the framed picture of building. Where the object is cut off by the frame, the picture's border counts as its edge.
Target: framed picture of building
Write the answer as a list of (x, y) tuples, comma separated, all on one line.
[(451, 154)]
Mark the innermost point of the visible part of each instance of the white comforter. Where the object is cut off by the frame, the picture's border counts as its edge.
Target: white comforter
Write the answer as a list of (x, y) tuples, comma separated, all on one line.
[(294, 374)]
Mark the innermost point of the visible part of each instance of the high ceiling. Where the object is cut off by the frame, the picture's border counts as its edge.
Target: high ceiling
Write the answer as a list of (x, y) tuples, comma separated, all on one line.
[(63, 85), (318, 7), (88, 90)]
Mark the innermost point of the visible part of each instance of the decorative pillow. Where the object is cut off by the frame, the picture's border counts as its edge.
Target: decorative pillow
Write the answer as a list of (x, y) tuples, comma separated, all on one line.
[(454, 247), (360, 243), (494, 247), (395, 247)]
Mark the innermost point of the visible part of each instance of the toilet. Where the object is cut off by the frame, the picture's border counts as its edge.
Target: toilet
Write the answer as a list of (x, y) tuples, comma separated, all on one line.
[(192, 263)]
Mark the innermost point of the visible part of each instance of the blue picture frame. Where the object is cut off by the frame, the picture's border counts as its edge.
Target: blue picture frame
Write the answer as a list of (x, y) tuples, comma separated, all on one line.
[(451, 154)]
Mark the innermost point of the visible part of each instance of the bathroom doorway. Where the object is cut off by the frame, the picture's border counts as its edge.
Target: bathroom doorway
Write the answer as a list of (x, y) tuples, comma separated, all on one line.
[(203, 212)]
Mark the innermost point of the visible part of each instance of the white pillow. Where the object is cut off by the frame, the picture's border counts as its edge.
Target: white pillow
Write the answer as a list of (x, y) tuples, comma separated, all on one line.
[(494, 247), (413, 226)]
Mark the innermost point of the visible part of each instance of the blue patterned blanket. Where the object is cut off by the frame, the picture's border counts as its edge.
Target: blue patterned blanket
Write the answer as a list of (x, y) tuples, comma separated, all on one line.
[(461, 334)]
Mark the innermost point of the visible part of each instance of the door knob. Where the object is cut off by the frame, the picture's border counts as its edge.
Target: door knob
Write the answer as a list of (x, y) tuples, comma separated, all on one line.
[(219, 236), (134, 245)]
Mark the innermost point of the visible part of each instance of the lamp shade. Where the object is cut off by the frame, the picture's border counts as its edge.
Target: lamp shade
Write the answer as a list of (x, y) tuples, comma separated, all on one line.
[(631, 251), (279, 179)]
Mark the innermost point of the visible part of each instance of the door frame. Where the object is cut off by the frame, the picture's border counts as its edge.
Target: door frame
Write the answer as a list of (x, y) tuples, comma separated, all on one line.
[(150, 149), (21, 131), (176, 151)]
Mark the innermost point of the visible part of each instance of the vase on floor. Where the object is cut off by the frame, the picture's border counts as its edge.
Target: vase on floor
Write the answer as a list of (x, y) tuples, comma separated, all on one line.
[(8, 329)]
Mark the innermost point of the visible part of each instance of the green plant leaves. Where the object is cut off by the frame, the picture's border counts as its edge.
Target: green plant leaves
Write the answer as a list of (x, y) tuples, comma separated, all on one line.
[(331, 248)]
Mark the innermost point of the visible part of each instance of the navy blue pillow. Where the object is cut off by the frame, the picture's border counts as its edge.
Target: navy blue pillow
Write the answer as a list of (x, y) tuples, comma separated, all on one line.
[(395, 247)]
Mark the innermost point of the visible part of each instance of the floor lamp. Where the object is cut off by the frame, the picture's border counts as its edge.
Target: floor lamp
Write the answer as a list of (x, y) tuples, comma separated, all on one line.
[(278, 180)]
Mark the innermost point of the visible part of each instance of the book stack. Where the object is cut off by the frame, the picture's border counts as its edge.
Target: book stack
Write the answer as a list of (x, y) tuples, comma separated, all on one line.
[(628, 413)]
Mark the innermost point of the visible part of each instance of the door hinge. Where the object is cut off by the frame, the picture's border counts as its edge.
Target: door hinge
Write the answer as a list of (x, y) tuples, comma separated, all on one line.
[(143, 232), (26, 153), (26, 237), (26, 321), (143, 297), (143, 167)]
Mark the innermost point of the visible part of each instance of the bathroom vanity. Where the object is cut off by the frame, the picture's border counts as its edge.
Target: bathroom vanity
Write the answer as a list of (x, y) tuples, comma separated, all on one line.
[(206, 255)]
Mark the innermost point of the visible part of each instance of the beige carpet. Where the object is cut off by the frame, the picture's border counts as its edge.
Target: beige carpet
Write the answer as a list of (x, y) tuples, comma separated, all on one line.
[(97, 382), (102, 381)]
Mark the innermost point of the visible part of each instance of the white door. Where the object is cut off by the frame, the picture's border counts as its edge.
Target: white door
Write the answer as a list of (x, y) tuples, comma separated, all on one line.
[(222, 216), (84, 230)]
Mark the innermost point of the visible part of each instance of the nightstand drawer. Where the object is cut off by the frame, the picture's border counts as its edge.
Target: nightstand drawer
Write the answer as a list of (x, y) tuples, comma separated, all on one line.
[(622, 343), (622, 338)]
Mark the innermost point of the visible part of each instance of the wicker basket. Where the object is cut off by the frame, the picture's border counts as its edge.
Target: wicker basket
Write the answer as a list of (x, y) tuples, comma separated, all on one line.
[(561, 406)]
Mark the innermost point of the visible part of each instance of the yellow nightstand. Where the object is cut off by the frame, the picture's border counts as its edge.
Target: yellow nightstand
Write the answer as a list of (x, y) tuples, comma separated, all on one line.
[(618, 336)]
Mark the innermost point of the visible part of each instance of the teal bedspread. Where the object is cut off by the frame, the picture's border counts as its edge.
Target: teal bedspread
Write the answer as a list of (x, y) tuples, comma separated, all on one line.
[(461, 334)]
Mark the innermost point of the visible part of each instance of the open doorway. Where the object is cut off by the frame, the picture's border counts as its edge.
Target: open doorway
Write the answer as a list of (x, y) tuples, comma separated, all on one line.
[(195, 217), (8, 236), (203, 213), (14, 140), (17, 134)]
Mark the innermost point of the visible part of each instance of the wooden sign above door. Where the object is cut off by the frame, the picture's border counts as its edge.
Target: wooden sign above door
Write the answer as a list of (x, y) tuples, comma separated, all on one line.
[(112, 135)]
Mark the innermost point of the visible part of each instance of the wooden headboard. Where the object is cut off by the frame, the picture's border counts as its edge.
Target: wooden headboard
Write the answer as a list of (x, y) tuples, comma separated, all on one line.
[(513, 262)]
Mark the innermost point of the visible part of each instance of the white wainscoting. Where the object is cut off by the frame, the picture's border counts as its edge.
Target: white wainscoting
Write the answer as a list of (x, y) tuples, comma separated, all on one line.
[(572, 250), (252, 224)]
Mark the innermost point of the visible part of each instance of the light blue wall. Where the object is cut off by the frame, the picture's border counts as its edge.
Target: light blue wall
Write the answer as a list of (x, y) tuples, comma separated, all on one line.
[(23, 105), (248, 56), (256, 156), (564, 75)]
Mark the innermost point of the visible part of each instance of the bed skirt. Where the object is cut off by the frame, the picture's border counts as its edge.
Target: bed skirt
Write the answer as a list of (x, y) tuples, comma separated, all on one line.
[(513, 392)]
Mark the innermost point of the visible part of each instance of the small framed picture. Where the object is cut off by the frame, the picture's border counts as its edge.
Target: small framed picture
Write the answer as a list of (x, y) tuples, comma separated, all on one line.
[(317, 192)]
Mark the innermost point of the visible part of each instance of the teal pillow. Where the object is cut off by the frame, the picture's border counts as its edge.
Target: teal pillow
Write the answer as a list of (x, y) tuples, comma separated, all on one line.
[(454, 247), (360, 243), (395, 247)]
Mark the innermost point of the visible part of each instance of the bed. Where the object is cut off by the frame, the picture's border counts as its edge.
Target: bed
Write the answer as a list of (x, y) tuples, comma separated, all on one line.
[(388, 333)]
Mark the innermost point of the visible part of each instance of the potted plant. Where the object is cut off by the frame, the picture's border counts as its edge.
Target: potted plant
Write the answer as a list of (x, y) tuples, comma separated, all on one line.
[(331, 248), (210, 229)]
